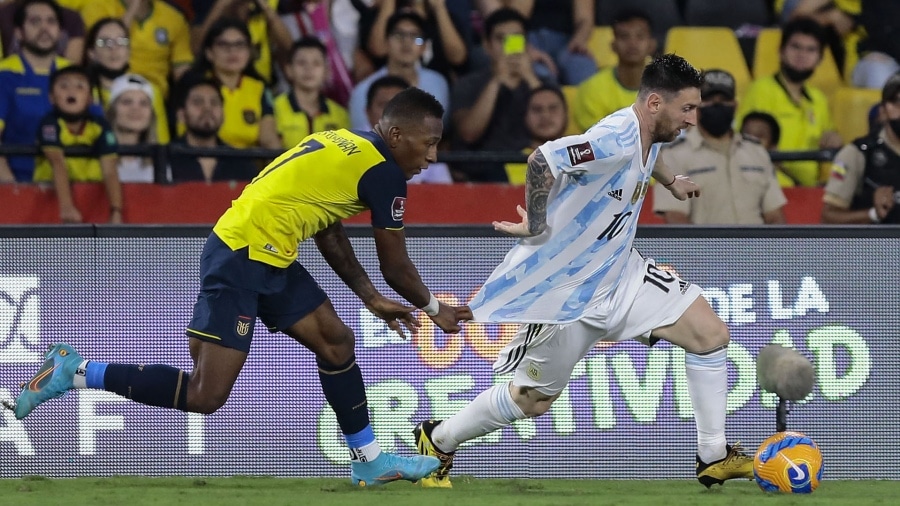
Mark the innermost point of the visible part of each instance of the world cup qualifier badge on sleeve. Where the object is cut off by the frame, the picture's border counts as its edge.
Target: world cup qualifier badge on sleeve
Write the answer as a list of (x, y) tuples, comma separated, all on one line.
[(580, 153), (398, 208)]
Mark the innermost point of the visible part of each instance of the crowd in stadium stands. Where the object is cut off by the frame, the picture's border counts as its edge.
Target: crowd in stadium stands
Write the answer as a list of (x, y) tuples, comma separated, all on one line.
[(511, 74)]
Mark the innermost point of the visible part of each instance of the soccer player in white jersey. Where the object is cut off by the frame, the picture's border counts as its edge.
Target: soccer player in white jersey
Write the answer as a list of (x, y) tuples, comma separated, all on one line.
[(574, 279)]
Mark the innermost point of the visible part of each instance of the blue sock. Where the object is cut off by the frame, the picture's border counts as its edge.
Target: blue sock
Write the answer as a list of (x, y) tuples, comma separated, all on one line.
[(362, 445), (155, 385), (346, 393)]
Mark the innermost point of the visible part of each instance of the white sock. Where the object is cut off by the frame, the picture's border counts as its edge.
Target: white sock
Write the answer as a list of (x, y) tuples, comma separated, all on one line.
[(365, 453), (707, 382), (490, 410)]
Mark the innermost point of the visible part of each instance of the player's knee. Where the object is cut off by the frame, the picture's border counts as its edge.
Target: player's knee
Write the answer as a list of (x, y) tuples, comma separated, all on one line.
[(206, 402), (532, 402), (338, 348)]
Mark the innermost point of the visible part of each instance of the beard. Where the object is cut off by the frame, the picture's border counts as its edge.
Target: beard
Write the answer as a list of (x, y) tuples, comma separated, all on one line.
[(202, 132), (37, 50), (796, 76)]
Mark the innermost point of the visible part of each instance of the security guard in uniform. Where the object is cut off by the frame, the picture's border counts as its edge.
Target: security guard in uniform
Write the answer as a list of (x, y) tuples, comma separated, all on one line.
[(864, 186), (735, 172)]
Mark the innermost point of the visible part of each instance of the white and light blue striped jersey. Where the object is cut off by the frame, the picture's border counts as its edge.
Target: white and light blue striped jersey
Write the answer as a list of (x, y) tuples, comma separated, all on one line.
[(592, 213)]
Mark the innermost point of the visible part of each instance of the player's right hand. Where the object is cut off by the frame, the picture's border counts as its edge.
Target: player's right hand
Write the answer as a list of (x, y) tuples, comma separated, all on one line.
[(397, 316), (448, 317)]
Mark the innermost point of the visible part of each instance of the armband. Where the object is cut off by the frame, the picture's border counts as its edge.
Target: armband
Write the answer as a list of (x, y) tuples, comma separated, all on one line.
[(433, 306)]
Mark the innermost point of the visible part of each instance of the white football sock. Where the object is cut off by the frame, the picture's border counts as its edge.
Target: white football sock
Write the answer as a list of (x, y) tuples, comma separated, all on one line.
[(491, 410), (707, 382)]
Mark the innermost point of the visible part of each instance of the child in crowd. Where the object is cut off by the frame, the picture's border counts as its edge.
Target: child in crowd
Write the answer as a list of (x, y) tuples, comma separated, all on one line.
[(304, 109), (70, 123)]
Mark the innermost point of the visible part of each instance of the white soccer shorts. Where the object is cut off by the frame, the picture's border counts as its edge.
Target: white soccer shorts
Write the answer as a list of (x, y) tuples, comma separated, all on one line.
[(544, 355)]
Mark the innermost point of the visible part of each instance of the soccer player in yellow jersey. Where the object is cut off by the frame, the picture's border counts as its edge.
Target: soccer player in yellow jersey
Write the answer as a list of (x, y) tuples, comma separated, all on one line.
[(248, 268)]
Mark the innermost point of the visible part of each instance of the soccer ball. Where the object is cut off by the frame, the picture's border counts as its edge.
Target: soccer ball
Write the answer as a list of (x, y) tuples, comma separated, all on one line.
[(788, 462)]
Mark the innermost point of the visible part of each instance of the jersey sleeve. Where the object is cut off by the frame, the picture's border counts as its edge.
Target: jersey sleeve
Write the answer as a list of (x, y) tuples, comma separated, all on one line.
[(847, 171), (383, 190), (48, 133), (597, 151)]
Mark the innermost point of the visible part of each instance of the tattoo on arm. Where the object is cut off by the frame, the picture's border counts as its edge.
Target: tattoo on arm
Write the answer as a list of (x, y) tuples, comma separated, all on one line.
[(539, 180), (338, 252)]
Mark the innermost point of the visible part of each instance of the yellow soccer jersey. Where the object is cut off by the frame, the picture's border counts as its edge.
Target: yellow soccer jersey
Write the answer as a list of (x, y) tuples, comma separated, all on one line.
[(158, 43), (328, 177), (802, 123), (599, 96), (244, 107), (294, 125), (55, 134)]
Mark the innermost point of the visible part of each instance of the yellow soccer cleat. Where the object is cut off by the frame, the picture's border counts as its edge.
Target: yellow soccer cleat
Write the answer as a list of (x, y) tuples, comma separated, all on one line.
[(735, 465), (440, 478)]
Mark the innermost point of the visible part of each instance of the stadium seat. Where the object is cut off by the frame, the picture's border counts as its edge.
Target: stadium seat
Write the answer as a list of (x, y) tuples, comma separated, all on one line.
[(827, 77), (730, 14), (850, 111), (570, 92), (708, 48), (600, 46)]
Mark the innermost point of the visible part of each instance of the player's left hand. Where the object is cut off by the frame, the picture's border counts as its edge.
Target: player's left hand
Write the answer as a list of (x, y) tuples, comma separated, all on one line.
[(515, 229), (448, 317), (683, 188), (396, 315)]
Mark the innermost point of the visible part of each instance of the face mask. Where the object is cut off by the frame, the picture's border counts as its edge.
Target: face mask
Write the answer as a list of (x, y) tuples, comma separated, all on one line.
[(716, 119), (895, 126), (795, 76)]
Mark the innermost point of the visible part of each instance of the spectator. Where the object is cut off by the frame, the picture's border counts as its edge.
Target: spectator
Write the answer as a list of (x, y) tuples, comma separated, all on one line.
[(838, 17), (249, 119), (614, 88), (133, 121), (801, 110), (25, 83), (489, 105), (71, 124), (405, 34), (735, 172), (71, 32), (561, 28), (864, 186), (304, 109), (446, 27), (763, 127), (546, 118), (305, 18), (268, 34), (879, 50), (202, 114), (160, 39), (106, 56), (380, 93)]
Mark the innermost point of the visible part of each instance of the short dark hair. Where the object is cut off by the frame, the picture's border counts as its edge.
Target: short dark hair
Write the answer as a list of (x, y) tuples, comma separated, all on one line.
[(500, 16), (668, 75), (413, 104), (19, 13), (76, 70), (186, 86), (767, 119), (891, 89), (806, 26), (399, 16), (631, 14), (384, 82), (552, 89), (308, 43)]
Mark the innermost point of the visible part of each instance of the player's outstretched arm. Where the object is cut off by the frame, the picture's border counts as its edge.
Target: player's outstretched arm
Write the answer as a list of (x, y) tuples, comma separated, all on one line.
[(682, 187), (538, 181), (401, 274), (338, 252)]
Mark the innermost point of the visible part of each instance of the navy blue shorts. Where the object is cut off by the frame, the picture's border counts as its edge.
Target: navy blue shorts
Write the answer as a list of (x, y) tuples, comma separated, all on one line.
[(234, 290)]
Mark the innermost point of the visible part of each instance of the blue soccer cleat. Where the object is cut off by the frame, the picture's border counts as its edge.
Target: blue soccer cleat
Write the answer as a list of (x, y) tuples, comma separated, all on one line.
[(52, 380), (388, 467)]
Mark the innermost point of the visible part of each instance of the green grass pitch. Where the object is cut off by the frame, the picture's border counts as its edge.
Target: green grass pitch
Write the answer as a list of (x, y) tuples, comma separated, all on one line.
[(242, 490)]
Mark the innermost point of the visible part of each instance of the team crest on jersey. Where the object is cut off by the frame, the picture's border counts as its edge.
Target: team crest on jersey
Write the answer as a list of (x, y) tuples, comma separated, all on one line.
[(639, 191), (49, 133), (398, 208), (249, 116), (162, 36), (533, 371), (580, 153), (243, 325)]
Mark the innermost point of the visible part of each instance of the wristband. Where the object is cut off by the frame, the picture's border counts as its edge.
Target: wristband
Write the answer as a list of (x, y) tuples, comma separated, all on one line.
[(433, 306), (873, 215), (674, 178)]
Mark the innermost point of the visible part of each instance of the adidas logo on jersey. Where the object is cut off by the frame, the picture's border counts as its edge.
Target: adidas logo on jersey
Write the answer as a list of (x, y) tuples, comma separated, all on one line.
[(616, 194)]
